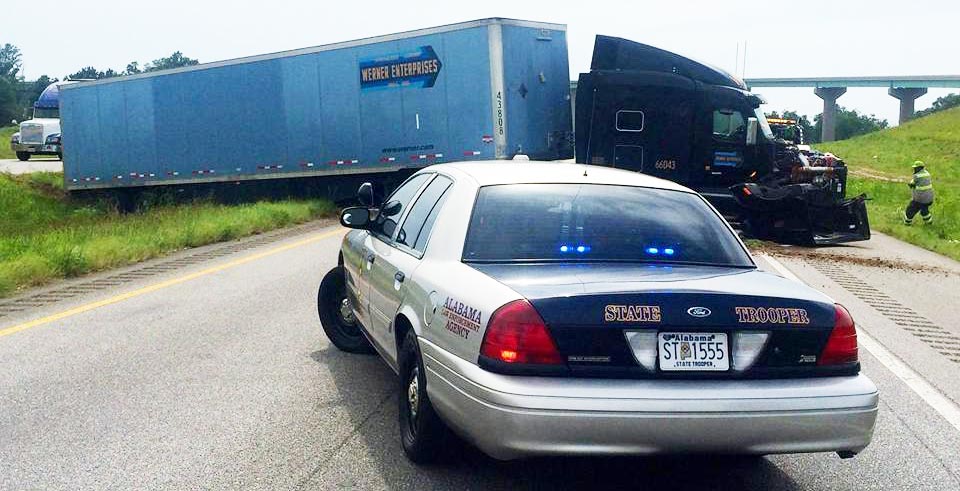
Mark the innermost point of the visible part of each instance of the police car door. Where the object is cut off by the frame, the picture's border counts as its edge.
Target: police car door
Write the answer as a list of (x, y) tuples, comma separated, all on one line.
[(384, 261)]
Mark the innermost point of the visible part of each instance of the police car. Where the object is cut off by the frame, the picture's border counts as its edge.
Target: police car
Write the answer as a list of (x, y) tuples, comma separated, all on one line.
[(544, 308)]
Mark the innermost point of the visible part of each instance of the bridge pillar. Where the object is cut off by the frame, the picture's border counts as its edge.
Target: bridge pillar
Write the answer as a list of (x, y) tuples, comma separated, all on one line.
[(907, 98), (829, 95)]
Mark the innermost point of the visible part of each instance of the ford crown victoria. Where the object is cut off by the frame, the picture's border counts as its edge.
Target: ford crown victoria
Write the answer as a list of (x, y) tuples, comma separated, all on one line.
[(548, 308)]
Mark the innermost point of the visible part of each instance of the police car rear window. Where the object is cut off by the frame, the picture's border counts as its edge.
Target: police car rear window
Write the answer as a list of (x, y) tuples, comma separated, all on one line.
[(594, 222)]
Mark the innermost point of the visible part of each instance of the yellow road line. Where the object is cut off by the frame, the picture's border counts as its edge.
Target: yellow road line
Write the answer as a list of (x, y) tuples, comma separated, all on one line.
[(163, 284)]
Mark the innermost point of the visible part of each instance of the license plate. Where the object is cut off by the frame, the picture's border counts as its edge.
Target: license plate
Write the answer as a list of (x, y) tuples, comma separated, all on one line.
[(693, 351)]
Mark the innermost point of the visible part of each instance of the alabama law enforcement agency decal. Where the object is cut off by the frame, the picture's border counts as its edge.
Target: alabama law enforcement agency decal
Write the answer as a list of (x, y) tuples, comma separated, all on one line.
[(462, 319), (419, 68), (631, 313)]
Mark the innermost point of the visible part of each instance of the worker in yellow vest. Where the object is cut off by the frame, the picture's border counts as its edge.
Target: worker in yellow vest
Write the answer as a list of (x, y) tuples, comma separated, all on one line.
[(921, 186)]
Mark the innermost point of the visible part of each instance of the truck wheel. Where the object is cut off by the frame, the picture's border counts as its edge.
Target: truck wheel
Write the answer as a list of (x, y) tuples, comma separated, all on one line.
[(23, 156), (336, 314), (60, 157), (422, 433)]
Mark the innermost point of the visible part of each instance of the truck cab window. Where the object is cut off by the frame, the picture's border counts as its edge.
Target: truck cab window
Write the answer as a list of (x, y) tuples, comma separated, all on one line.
[(728, 125), (629, 120), (46, 113)]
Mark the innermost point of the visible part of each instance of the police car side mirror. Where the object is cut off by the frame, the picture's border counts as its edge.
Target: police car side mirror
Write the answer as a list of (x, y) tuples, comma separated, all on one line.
[(752, 131), (365, 194), (355, 217)]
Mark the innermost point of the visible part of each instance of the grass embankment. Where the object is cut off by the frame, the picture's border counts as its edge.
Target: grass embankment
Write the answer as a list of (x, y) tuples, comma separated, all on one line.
[(5, 133), (880, 166), (44, 235)]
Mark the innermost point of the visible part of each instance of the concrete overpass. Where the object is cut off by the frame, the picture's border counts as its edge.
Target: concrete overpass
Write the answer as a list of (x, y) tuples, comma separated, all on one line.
[(904, 88)]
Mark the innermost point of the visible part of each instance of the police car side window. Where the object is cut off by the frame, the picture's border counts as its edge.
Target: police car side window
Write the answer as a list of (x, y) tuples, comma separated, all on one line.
[(394, 206), (416, 227)]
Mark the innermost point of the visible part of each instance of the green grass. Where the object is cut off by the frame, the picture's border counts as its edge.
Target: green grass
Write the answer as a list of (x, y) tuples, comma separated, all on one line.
[(934, 139), (44, 235), (5, 133)]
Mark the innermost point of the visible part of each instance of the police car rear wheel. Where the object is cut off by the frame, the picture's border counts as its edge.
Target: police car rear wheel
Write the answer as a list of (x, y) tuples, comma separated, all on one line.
[(336, 314), (422, 433)]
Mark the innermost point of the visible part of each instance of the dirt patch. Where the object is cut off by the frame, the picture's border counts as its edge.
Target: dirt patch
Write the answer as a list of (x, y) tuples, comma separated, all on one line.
[(774, 249), (872, 174)]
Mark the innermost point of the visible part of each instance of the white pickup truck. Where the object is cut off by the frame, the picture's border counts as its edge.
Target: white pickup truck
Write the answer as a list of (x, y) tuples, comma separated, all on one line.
[(41, 134)]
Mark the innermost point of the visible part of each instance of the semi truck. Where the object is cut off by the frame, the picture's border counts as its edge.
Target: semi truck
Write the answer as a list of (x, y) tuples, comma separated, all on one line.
[(40, 135), (376, 109), (653, 111)]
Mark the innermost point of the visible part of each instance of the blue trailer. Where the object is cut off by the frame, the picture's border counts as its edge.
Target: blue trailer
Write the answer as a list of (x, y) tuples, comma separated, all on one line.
[(486, 89)]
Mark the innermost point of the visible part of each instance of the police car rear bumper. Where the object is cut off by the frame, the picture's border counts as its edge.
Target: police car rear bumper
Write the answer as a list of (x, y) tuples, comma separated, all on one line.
[(510, 417)]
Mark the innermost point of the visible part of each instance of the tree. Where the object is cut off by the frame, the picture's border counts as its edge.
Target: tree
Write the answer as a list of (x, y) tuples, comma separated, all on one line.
[(30, 92), (9, 62), (945, 102), (9, 82), (809, 135), (8, 102), (175, 60), (91, 73), (133, 68), (850, 123)]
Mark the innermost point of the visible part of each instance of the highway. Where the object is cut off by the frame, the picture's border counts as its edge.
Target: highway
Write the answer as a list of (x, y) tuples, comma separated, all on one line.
[(209, 370), (35, 164)]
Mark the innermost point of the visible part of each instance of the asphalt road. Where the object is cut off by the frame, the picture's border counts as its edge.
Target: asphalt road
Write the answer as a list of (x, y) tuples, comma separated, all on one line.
[(217, 375), (35, 164)]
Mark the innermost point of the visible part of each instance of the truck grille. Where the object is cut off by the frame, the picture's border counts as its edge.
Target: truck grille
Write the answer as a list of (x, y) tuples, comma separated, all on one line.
[(31, 133)]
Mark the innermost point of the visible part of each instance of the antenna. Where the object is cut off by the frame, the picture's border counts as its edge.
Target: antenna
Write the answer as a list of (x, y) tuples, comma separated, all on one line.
[(593, 108), (743, 72), (736, 61)]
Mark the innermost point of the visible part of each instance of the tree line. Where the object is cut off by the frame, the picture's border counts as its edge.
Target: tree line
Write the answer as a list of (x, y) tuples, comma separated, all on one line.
[(851, 123), (17, 94)]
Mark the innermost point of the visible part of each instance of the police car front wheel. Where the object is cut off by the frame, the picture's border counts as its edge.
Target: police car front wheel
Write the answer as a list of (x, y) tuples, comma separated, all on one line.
[(336, 314)]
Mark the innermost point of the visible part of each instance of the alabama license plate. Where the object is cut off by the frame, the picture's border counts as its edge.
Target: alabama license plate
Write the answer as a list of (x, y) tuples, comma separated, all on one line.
[(693, 351)]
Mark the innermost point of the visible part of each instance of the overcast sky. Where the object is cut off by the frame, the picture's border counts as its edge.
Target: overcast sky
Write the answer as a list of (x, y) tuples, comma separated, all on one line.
[(801, 38)]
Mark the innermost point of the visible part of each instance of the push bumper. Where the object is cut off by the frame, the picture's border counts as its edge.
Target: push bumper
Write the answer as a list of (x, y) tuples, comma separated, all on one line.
[(511, 417), (35, 148)]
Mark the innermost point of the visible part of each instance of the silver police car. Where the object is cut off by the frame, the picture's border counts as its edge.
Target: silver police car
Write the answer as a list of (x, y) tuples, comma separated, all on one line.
[(542, 308)]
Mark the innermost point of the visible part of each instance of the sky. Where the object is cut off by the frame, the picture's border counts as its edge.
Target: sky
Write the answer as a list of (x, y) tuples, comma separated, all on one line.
[(783, 39)]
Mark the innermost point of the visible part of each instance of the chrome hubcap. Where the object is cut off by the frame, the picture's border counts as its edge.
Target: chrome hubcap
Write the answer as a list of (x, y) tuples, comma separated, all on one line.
[(346, 311), (413, 392)]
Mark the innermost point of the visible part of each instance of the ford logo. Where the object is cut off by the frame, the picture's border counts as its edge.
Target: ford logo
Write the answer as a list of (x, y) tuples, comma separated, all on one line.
[(699, 311)]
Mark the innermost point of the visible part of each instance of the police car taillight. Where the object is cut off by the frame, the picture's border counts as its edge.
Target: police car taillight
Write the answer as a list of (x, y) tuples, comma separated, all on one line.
[(841, 348), (517, 334)]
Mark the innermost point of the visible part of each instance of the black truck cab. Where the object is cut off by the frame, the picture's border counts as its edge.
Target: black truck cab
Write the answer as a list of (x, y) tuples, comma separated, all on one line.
[(673, 118), (652, 111)]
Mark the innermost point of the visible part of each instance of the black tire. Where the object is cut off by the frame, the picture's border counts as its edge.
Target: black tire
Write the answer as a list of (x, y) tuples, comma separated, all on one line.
[(23, 156), (336, 317), (60, 157), (422, 433)]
